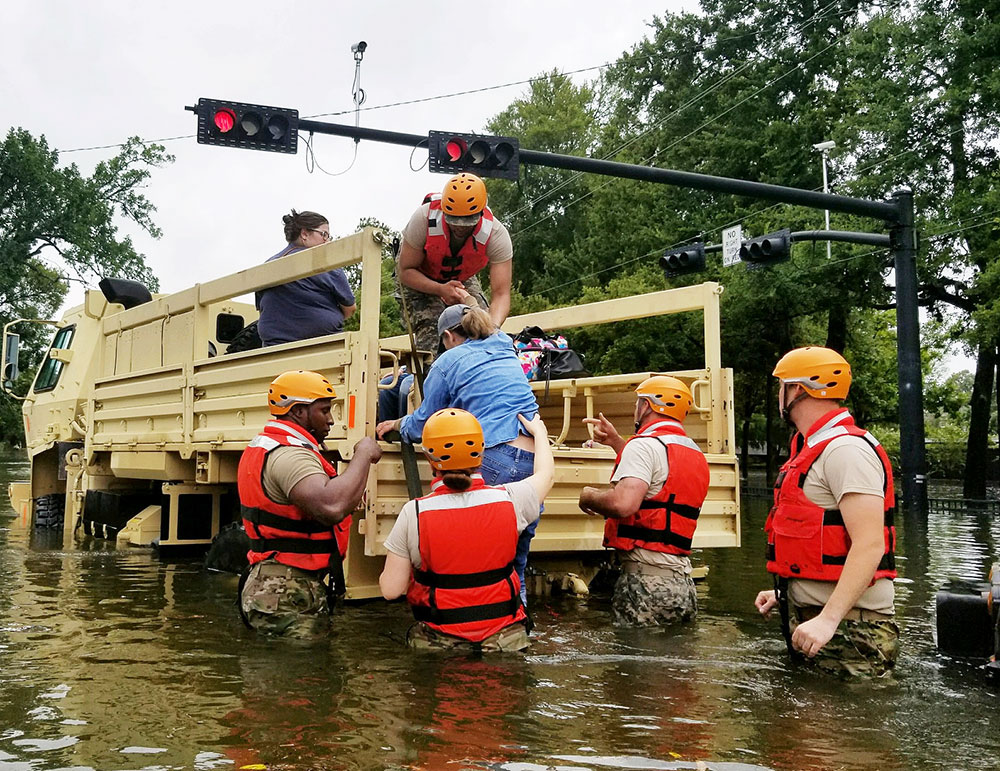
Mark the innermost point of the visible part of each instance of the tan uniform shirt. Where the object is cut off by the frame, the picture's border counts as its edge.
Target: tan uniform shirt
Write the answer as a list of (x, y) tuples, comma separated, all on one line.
[(286, 467), (404, 539), (847, 465), (499, 248), (646, 459)]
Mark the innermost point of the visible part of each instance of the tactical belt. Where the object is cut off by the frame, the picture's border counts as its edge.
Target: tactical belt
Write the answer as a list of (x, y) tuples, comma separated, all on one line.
[(806, 612)]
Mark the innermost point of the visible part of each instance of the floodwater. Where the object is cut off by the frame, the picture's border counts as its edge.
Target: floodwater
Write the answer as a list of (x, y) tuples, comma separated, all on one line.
[(116, 660)]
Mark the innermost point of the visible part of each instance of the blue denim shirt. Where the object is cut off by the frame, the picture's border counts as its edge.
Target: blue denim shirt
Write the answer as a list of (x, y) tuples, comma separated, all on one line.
[(483, 377)]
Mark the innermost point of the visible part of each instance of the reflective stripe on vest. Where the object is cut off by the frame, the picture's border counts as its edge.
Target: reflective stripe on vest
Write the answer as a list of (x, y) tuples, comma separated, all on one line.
[(805, 540), (466, 586), (440, 264), (283, 531), (665, 522)]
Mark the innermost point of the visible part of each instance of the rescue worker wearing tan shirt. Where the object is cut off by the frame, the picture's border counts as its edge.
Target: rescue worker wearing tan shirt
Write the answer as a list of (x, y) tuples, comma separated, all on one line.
[(830, 535)]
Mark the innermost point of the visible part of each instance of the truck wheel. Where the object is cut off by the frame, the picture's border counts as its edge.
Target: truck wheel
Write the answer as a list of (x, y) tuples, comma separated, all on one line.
[(50, 510)]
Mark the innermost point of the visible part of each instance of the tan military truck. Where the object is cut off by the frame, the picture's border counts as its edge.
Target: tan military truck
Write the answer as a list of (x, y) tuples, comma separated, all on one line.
[(137, 418)]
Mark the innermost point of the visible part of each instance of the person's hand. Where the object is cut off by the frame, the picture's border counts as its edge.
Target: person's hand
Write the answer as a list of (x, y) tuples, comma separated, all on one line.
[(454, 292), (604, 430), (810, 636), (535, 426), (368, 446), (585, 493), (765, 602), (385, 427)]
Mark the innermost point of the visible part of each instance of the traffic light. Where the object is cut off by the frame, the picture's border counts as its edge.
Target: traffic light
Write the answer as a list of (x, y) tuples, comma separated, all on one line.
[(688, 259), (774, 247), (250, 126), (484, 156)]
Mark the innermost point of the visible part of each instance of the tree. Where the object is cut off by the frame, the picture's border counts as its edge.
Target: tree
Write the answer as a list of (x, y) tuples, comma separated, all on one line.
[(54, 219), (927, 101)]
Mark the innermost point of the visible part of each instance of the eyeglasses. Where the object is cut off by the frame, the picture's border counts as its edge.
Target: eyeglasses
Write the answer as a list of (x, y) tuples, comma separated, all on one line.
[(325, 233)]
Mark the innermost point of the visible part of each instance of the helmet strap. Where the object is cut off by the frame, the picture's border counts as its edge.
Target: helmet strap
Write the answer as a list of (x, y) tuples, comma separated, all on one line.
[(786, 411)]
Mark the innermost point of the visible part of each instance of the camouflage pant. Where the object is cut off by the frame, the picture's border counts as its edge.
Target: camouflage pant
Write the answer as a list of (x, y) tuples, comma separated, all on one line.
[(857, 648), (653, 600), (512, 638), (285, 601), (424, 309)]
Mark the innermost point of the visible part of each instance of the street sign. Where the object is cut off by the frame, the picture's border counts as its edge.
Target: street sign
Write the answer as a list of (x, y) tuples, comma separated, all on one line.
[(732, 239)]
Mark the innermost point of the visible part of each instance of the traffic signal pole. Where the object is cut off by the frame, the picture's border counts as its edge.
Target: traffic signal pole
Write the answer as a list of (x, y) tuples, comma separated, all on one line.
[(897, 213)]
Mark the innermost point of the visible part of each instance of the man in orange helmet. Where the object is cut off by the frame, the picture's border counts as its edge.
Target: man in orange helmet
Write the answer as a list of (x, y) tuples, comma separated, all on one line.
[(297, 510), (658, 486), (449, 239), (830, 534)]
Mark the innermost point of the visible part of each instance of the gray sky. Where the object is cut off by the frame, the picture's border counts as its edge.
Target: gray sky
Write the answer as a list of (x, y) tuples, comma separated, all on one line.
[(93, 73)]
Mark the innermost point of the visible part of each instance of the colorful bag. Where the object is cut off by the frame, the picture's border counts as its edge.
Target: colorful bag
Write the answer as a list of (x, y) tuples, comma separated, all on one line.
[(547, 357)]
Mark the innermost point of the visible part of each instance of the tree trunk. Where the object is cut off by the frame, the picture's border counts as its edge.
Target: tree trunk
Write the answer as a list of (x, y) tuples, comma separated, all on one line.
[(836, 329), (745, 449), (974, 484), (768, 444)]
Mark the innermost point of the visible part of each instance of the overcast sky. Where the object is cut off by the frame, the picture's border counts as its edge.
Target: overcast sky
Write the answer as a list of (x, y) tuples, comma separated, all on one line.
[(93, 73)]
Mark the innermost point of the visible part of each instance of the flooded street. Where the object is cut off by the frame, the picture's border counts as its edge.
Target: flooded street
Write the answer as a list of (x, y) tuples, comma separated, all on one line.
[(116, 660)]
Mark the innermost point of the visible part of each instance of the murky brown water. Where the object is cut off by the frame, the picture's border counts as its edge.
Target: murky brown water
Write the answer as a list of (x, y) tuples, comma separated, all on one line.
[(115, 660)]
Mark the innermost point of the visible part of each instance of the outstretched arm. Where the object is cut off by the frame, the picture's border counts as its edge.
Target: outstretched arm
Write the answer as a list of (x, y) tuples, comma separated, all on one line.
[(330, 499)]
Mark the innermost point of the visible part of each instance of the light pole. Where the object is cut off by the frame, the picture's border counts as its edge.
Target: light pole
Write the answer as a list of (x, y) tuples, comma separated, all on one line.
[(825, 148)]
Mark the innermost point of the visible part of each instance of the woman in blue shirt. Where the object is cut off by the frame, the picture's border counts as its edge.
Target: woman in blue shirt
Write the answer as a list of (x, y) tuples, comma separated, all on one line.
[(478, 371), (310, 307)]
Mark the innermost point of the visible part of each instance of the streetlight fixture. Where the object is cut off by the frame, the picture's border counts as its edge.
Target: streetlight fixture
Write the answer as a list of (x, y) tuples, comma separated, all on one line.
[(825, 148)]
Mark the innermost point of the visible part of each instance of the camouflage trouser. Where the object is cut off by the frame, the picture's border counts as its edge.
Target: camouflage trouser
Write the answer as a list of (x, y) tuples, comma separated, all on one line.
[(512, 638), (424, 309), (653, 600), (857, 649), (285, 601)]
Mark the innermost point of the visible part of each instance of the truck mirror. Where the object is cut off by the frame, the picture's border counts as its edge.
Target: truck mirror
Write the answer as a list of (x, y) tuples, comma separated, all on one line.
[(227, 326), (11, 345)]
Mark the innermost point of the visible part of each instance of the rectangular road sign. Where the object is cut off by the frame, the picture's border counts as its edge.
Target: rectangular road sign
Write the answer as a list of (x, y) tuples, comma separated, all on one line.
[(732, 239)]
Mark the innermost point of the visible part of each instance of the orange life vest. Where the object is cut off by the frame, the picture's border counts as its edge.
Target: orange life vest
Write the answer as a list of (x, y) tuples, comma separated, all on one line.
[(466, 586), (439, 263), (667, 521), (803, 539), (284, 531)]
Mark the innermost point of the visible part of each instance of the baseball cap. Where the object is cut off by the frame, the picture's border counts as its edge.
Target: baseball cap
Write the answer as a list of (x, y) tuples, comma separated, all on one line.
[(450, 318)]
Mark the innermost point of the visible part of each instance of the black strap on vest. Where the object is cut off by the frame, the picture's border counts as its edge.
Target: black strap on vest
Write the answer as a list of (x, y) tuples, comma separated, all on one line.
[(260, 518), (781, 594), (664, 536), (294, 545), (462, 580), (435, 615)]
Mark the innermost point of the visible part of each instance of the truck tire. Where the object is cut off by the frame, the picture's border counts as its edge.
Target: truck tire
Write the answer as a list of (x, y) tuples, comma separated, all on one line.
[(49, 511)]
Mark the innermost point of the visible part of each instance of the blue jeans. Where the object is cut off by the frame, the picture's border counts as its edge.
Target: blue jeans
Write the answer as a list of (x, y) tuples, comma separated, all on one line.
[(392, 401), (503, 464)]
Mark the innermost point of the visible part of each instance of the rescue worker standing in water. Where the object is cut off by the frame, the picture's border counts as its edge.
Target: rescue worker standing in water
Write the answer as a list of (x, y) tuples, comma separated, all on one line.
[(659, 484), (297, 510), (452, 552), (830, 534), (449, 239)]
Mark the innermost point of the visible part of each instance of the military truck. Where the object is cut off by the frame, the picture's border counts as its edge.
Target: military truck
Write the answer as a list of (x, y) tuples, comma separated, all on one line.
[(137, 417)]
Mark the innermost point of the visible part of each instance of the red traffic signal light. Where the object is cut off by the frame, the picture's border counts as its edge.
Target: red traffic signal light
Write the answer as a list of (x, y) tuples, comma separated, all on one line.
[(486, 156), (250, 126)]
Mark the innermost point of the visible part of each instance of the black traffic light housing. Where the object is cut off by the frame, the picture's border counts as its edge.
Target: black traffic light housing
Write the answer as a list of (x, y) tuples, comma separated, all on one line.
[(766, 250), (687, 259), (485, 156), (250, 126)]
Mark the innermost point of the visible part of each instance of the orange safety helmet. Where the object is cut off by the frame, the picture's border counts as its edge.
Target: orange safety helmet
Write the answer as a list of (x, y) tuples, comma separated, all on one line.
[(453, 439), (297, 387), (667, 396), (464, 196), (821, 371)]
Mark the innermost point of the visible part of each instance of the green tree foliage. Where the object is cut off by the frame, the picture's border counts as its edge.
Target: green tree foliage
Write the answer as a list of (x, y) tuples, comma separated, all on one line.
[(54, 219)]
